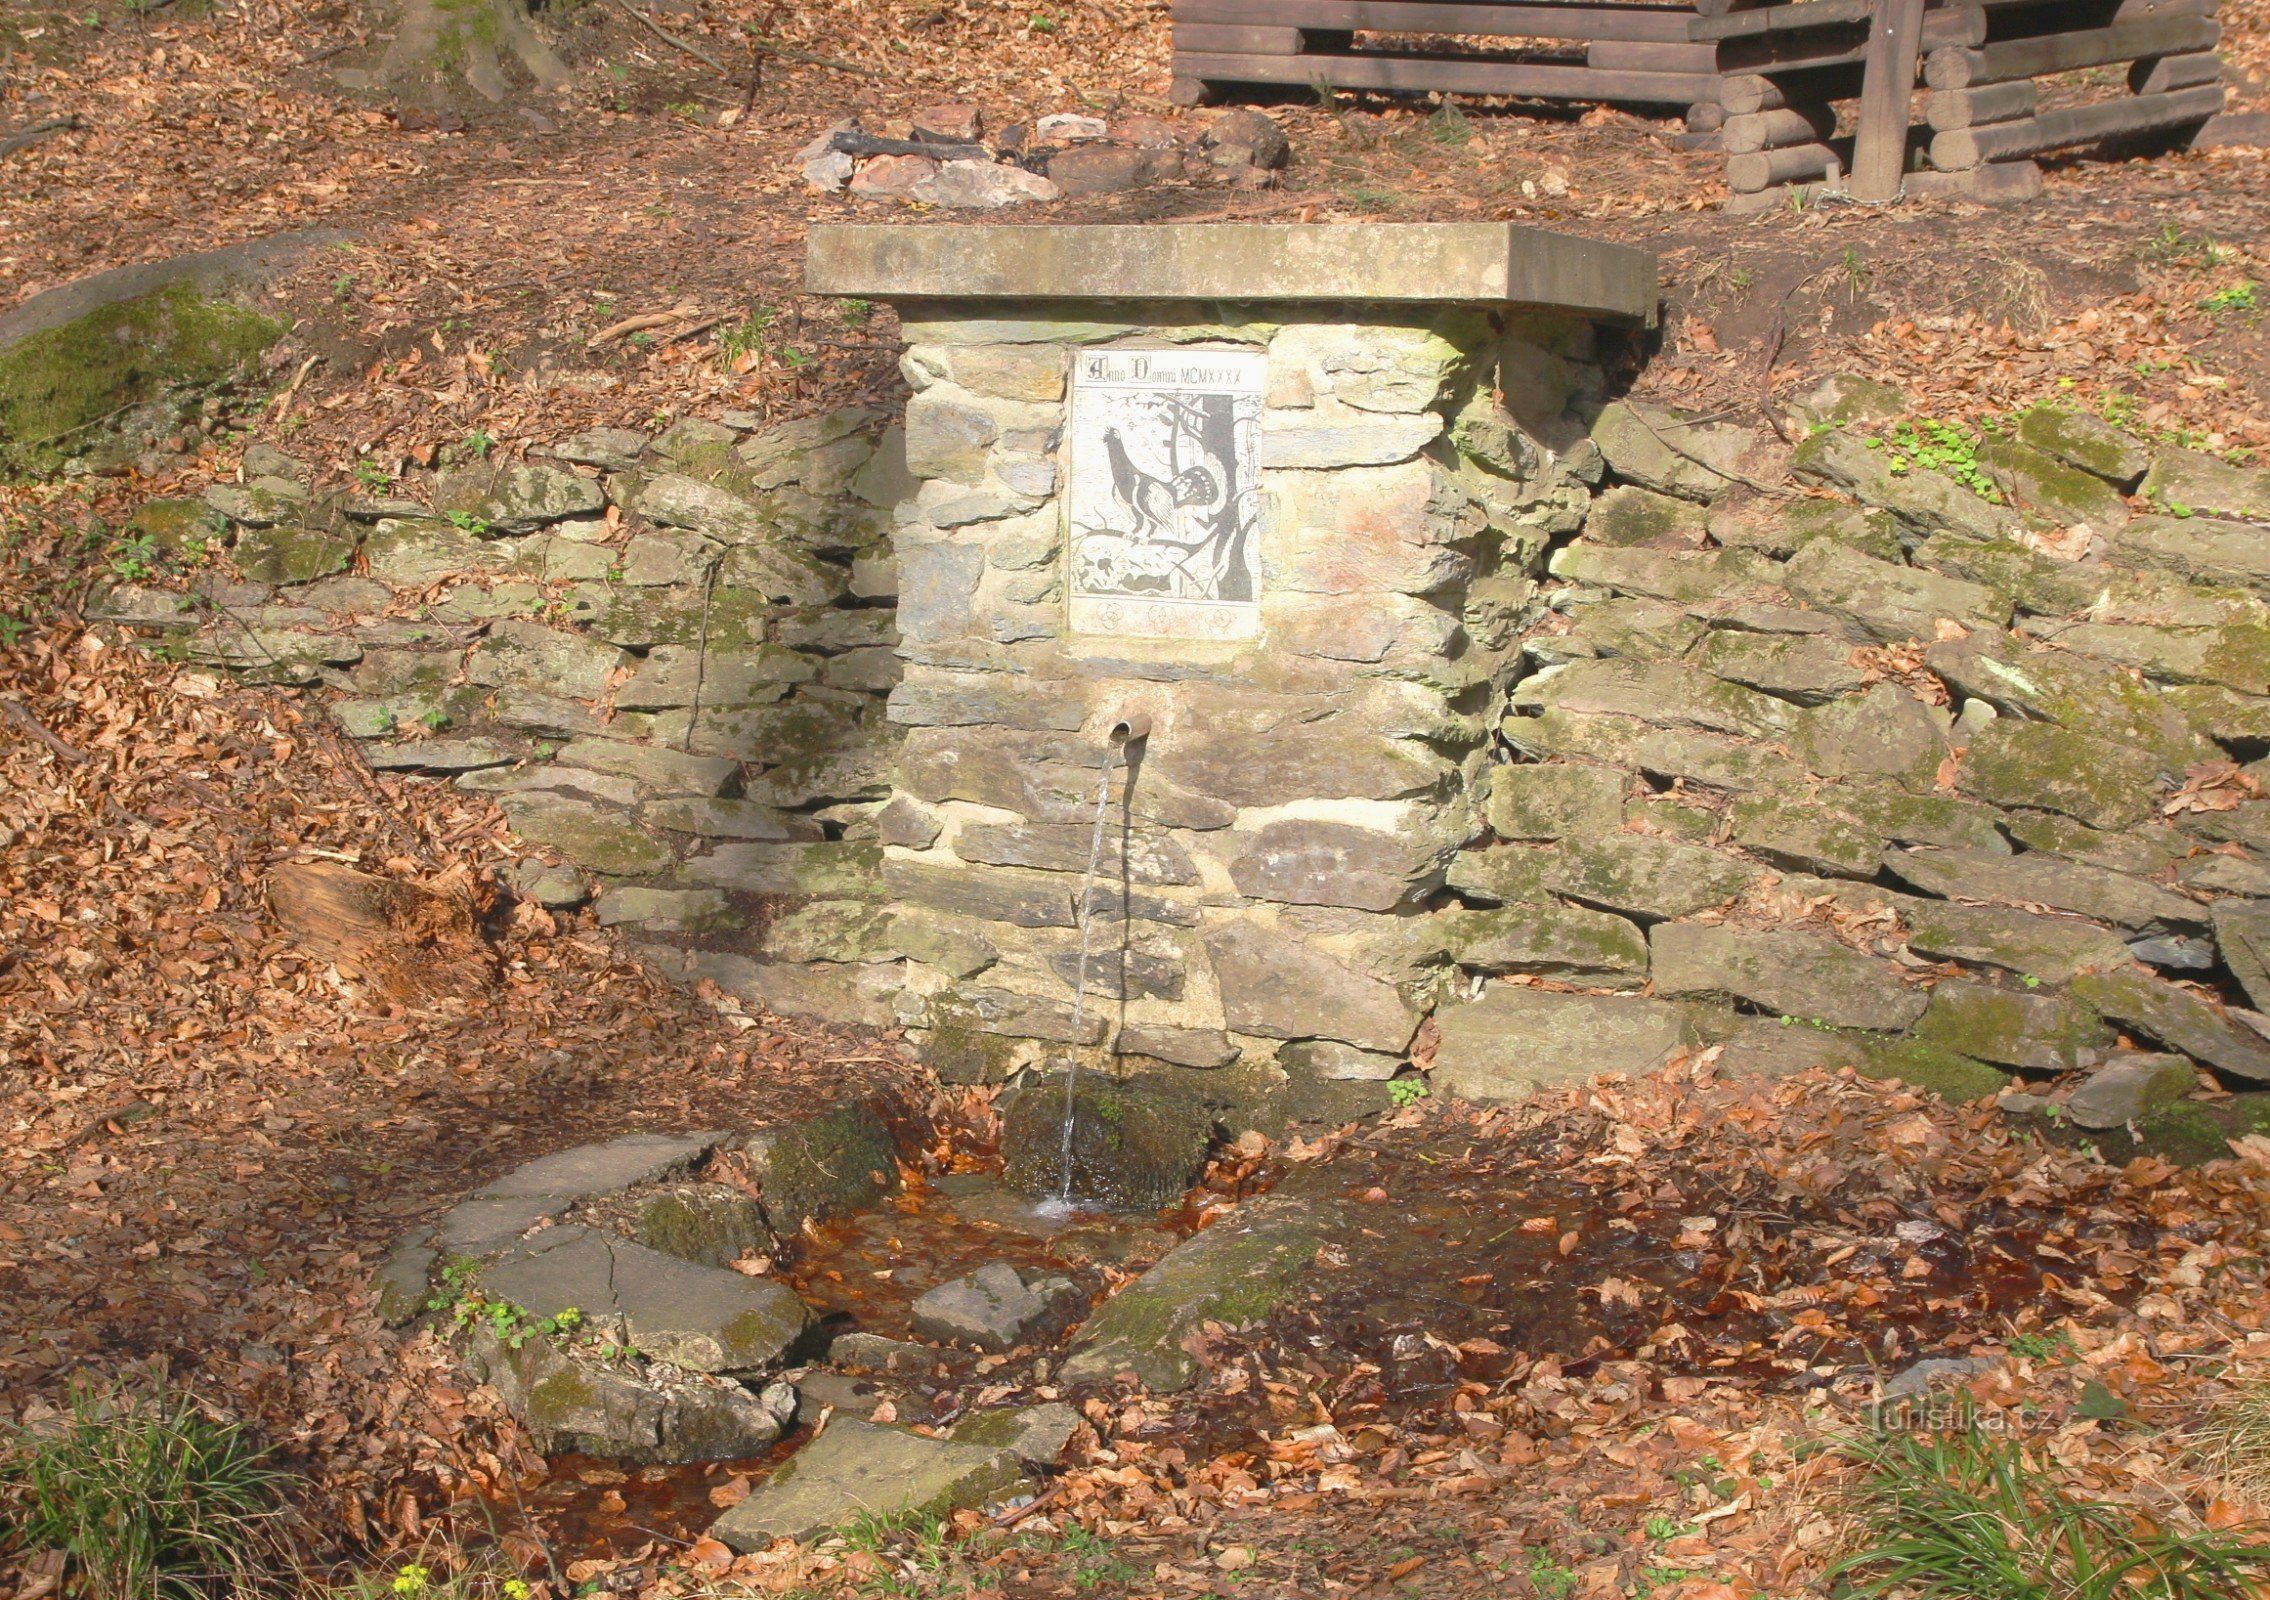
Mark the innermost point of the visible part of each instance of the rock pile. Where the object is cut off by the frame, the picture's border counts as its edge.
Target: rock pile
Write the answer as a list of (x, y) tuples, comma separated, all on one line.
[(940, 158)]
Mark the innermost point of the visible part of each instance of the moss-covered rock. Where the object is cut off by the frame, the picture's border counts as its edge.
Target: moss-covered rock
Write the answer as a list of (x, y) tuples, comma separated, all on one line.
[(1934, 1068), (183, 530), (2093, 780), (2080, 440), (2049, 491), (59, 384), (1133, 1147), (2042, 1032), (285, 554), (823, 1166)]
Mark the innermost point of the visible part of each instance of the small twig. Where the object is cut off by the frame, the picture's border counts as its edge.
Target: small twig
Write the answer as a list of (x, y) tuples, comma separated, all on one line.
[(703, 325), (770, 48), (15, 711), (36, 132), (672, 40), (1009, 1519)]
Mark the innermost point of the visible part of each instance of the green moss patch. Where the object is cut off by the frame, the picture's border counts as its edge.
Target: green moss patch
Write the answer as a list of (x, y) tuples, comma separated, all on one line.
[(58, 385)]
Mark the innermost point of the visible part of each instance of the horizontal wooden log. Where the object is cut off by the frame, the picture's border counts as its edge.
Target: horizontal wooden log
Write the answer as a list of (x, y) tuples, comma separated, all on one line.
[(1664, 25), (1237, 39), (2248, 130), (1747, 91), (2001, 183), (1960, 148), (1452, 75), (1968, 108), (1772, 130), (1761, 169), (1783, 197), (2065, 52), (1705, 116), (2033, 18), (2159, 74), (1647, 57), (1755, 24), (1844, 44)]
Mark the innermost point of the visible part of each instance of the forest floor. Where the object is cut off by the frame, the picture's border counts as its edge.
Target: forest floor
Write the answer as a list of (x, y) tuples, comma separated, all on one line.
[(212, 1134)]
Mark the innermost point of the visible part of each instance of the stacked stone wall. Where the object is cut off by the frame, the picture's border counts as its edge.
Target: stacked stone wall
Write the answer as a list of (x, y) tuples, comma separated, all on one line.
[(666, 656), (1943, 779), (1571, 739)]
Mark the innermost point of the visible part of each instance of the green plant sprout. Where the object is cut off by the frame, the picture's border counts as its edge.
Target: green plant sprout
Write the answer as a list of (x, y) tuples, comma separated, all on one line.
[(1407, 1092)]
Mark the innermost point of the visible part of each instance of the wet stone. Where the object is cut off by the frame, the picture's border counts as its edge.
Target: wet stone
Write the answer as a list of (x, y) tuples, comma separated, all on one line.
[(1134, 1145), (1036, 1435), (858, 1469), (996, 1309)]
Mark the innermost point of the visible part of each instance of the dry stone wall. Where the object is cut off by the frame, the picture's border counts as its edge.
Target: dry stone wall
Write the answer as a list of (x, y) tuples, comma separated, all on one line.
[(1948, 779), (1567, 739), (666, 656)]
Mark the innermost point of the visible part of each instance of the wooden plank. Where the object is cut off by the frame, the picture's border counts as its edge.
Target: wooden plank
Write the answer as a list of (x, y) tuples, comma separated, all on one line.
[(2064, 52), (1887, 98), (1770, 130), (1237, 39), (1960, 148), (2000, 183), (1761, 169), (1452, 75), (1969, 108), (1617, 55), (1740, 92), (2159, 74), (1649, 24)]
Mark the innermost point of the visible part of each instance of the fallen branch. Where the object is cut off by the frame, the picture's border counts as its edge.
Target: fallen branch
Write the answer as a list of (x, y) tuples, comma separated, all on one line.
[(638, 324), (785, 53), (850, 142), (36, 132), (672, 40), (15, 711)]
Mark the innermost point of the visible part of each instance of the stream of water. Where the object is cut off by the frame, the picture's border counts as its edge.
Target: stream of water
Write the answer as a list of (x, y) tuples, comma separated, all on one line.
[(1080, 988)]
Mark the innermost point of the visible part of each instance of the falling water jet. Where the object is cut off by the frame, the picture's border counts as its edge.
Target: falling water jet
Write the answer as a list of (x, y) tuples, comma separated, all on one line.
[(1121, 740)]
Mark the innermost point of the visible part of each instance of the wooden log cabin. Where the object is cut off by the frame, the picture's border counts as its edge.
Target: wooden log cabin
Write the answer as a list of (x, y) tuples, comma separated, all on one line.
[(1819, 96), (1629, 52)]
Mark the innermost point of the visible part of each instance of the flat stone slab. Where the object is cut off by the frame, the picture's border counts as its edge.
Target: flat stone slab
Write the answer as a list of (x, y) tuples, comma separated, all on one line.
[(596, 1169), (1489, 263), (862, 1467), (704, 1319), (1235, 1272), (1514, 1041)]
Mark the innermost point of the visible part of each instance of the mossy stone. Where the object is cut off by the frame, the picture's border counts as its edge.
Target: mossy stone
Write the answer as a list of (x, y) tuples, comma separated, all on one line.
[(1134, 1147), (57, 384), (2048, 490), (2083, 441), (823, 1166), (2039, 764), (284, 554), (179, 527), (1629, 515), (2041, 1032), (1922, 1065)]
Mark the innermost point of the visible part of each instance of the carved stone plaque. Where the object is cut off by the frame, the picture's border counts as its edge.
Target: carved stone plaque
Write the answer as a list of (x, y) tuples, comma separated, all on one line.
[(1164, 508)]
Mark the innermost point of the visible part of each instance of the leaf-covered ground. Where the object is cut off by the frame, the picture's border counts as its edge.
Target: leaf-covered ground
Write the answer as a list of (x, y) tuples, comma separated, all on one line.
[(1616, 1389)]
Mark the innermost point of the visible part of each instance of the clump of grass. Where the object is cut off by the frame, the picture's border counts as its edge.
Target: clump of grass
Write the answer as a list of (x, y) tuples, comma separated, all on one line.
[(2234, 1445), (1968, 1515), (145, 1494)]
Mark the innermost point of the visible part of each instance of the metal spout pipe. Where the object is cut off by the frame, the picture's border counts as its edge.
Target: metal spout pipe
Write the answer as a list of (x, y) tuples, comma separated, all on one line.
[(1133, 728)]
